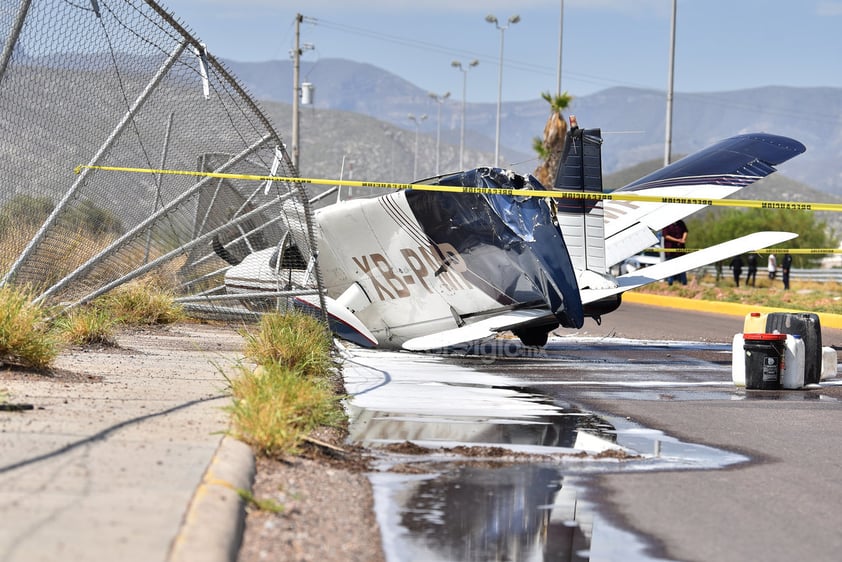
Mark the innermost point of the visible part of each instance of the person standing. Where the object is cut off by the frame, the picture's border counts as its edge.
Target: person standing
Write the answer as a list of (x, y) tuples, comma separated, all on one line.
[(751, 276), (772, 266), (675, 238), (737, 268), (786, 265)]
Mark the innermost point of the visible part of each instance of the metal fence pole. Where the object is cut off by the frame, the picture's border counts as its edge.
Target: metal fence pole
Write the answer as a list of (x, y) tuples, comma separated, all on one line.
[(12, 39)]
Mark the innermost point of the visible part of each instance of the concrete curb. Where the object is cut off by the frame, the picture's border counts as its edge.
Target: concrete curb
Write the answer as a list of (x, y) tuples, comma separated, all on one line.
[(827, 320), (213, 527)]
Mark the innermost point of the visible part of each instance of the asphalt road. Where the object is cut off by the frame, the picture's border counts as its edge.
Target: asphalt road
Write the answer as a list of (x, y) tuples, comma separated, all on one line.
[(633, 320), (783, 504)]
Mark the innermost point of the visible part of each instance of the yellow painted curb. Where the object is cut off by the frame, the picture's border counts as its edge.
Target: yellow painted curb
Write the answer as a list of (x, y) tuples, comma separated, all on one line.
[(827, 320)]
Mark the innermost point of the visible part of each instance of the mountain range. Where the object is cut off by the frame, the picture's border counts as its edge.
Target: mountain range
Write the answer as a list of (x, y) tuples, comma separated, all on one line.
[(359, 125)]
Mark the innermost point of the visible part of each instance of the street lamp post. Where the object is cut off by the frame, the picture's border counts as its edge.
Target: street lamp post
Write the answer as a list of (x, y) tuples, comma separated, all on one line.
[(511, 21), (439, 99), (417, 121), (560, 44), (670, 80), (458, 65)]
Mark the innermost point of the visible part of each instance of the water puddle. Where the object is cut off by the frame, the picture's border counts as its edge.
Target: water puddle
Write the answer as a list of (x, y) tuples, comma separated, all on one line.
[(510, 489), (528, 513), (565, 428)]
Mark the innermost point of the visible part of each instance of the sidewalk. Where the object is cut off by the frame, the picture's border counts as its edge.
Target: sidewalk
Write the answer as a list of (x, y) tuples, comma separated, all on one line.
[(124, 456)]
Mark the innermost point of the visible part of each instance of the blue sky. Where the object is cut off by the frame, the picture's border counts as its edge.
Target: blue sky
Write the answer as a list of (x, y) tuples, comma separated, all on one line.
[(720, 44)]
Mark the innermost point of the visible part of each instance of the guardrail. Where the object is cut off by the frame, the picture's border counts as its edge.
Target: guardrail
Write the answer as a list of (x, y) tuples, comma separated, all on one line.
[(820, 275)]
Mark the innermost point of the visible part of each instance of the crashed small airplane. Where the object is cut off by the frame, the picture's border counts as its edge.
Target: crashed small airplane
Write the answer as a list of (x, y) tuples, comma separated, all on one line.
[(422, 270)]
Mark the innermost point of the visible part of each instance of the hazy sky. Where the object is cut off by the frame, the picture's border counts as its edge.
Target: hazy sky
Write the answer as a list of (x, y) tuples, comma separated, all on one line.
[(720, 44)]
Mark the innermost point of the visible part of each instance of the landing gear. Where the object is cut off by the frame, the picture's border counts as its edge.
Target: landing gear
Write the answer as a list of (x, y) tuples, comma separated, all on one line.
[(533, 337)]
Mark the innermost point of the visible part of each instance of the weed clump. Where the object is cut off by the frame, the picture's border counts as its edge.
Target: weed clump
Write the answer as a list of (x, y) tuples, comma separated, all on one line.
[(141, 304), (292, 340), (275, 408), (277, 404), (25, 336), (90, 325)]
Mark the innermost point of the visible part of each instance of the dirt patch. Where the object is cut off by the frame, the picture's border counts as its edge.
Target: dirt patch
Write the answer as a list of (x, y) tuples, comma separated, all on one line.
[(482, 457), (407, 448), (54, 375), (327, 506)]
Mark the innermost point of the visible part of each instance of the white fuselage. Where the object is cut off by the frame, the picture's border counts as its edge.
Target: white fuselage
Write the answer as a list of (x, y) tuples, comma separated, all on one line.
[(376, 260)]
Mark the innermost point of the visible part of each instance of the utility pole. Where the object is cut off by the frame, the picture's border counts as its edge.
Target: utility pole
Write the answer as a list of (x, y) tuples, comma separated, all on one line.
[(296, 53), (296, 90)]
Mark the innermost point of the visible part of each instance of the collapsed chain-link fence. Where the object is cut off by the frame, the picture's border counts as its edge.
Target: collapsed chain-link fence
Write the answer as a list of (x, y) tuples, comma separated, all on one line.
[(123, 83)]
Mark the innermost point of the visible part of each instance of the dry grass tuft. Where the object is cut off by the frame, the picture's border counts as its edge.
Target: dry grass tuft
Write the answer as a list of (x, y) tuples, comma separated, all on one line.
[(141, 303), (289, 394), (87, 326), (292, 340), (275, 408), (25, 336)]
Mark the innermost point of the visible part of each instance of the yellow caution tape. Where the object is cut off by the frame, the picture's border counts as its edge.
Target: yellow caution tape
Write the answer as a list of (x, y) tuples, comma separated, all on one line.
[(813, 251), (750, 203)]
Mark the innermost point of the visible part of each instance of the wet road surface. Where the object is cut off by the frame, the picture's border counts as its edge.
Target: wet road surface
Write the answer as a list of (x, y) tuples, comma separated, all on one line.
[(784, 504), (723, 473)]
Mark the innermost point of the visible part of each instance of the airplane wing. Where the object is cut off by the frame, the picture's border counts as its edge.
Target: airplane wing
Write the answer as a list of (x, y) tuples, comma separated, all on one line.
[(686, 262), (712, 173), (479, 330)]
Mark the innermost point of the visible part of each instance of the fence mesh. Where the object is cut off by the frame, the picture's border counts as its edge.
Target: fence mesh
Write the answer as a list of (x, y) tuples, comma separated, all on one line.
[(123, 83)]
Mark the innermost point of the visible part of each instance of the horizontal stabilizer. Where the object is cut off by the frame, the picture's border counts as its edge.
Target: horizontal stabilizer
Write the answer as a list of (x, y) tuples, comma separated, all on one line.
[(694, 260), (477, 331), (712, 173)]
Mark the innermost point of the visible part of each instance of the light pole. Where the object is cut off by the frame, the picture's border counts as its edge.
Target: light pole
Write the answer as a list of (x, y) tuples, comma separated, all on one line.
[(511, 21), (439, 99), (458, 65), (668, 135), (417, 121), (560, 44)]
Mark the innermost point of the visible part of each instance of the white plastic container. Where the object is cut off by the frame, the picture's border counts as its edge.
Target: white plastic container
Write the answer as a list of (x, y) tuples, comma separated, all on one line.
[(792, 375), (738, 361), (828, 363), (754, 323)]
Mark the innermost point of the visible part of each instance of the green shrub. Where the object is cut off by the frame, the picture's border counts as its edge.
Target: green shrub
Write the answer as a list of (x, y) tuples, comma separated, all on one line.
[(289, 394)]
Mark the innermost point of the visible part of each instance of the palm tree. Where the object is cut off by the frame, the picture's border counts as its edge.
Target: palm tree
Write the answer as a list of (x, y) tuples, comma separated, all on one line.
[(549, 148)]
